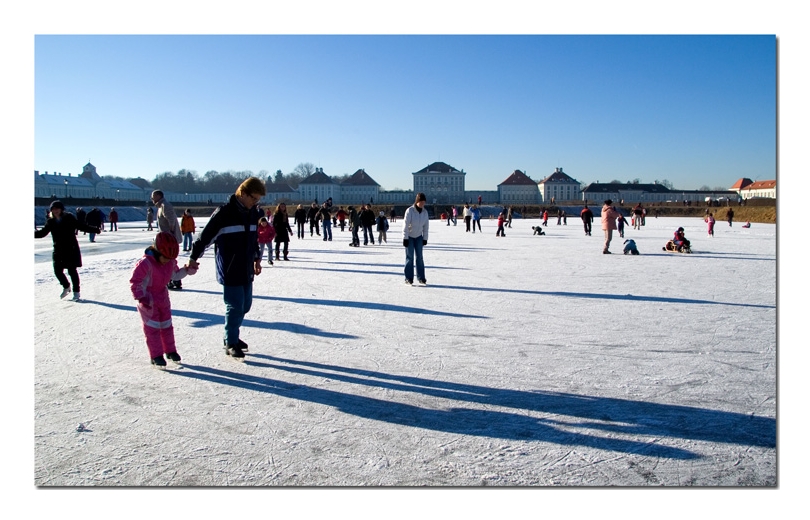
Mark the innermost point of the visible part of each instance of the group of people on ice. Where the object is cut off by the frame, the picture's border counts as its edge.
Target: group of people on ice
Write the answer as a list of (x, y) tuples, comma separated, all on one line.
[(240, 232)]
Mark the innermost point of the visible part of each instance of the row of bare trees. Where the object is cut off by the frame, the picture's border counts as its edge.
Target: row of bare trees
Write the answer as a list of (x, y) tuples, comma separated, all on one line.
[(189, 181)]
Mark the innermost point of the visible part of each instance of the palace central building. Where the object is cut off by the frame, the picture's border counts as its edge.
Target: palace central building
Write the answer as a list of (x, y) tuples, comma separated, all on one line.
[(440, 182)]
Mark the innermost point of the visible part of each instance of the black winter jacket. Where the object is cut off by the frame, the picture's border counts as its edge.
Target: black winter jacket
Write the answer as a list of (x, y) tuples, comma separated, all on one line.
[(233, 231), (66, 252)]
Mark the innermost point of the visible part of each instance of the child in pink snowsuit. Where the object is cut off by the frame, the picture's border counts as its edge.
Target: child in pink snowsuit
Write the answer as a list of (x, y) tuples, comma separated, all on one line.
[(148, 283), (710, 221)]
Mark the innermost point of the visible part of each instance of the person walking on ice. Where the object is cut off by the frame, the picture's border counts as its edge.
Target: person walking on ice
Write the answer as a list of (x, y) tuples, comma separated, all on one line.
[(710, 221), (66, 253), (609, 216), (382, 228), (232, 227), (167, 221), (587, 219), (414, 238), (149, 285)]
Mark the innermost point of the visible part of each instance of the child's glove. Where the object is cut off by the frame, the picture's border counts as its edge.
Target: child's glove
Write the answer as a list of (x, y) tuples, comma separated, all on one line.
[(405, 242), (191, 270)]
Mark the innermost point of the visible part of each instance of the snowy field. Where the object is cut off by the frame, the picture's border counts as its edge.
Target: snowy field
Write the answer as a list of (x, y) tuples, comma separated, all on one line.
[(527, 361)]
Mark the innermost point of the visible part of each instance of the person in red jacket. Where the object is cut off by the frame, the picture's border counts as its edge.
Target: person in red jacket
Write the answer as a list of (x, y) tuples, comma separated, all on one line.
[(501, 219), (266, 233), (113, 220), (187, 229), (587, 219)]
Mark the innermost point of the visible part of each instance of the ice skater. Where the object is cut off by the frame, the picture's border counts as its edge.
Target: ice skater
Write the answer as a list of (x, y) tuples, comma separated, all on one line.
[(710, 221), (414, 238), (66, 253), (382, 228), (265, 233), (501, 219), (149, 284)]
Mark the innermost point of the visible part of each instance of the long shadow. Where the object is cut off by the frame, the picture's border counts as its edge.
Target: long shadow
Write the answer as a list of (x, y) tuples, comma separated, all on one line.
[(370, 306), (465, 421), (603, 296), (625, 416), (344, 271), (397, 266), (348, 251), (203, 319), (712, 255), (207, 319), (456, 249)]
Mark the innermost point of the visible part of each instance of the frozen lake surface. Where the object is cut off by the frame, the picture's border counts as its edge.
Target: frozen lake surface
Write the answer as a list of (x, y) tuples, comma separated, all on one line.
[(530, 361)]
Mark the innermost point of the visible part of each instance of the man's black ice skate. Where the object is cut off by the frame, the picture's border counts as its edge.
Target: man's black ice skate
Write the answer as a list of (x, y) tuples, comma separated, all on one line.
[(239, 343), (235, 352)]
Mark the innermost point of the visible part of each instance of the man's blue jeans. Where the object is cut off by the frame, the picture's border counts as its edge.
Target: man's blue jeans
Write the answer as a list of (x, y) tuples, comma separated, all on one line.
[(238, 299), (414, 249)]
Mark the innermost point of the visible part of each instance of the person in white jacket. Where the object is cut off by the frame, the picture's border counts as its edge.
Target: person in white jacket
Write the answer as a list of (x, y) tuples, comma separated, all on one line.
[(414, 237)]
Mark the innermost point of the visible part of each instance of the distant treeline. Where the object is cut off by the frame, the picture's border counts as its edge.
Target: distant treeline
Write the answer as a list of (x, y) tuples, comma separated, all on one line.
[(212, 181)]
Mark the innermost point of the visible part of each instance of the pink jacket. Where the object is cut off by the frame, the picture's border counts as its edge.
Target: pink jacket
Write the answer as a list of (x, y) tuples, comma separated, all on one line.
[(609, 216), (150, 278)]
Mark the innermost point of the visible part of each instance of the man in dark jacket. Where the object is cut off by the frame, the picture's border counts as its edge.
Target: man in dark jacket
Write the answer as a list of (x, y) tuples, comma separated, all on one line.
[(233, 230), (81, 216), (354, 224), (368, 219), (587, 219), (300, 218), (312, 216), (94, 220)]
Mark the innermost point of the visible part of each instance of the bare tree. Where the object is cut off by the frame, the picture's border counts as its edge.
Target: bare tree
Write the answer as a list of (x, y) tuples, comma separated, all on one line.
[(304, 170)]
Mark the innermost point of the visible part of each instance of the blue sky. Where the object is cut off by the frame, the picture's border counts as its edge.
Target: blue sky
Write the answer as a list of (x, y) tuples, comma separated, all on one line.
[(695, 110)]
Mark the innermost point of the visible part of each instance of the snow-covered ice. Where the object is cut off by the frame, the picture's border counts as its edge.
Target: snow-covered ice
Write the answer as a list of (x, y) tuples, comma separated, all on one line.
[(526, 361)]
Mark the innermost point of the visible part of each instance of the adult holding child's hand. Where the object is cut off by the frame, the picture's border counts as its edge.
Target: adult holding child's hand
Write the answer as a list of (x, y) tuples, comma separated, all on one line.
[(234, 229)]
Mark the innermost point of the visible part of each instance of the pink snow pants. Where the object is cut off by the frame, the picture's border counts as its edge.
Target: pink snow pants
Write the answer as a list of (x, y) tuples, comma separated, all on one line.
[(158, 329)]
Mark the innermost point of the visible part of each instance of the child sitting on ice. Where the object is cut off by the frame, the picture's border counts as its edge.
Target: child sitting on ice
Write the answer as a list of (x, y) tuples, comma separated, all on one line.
[(747, 224), (148, 283), (678, 243)]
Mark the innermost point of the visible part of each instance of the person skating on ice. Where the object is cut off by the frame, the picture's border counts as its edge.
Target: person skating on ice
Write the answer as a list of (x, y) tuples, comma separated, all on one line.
[(149, 286), (62, 227), (233, 228), (416, 223)]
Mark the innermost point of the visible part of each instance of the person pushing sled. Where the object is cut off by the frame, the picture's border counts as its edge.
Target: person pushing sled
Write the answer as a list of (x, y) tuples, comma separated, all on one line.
[(678, 244)]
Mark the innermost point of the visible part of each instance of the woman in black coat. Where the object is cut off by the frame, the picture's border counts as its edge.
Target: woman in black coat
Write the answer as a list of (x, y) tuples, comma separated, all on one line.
[(66, 253), (281, 223)]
